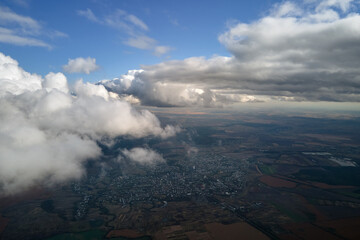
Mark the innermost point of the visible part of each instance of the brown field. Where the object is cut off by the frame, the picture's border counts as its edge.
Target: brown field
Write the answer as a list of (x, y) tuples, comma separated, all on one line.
[(348, 227), (128, 233), (35, 193), (193, 235), (3, 223), (265, 160), (276, 182), (212, 231), (317, 184), (170, 232), (234, 231), (306, 231), (325, 137), (311, 208), (327, 186)]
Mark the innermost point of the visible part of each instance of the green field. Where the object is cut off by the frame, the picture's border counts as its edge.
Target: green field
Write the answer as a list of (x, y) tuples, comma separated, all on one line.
[(267, 169)]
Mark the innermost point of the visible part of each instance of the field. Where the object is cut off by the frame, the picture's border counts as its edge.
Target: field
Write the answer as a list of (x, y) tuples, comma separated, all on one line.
[(276, 182), (226, 176), (306, 231), (126, 233), (88, 235), (212, 231), (234, 231), (348, 227), (3, 223)]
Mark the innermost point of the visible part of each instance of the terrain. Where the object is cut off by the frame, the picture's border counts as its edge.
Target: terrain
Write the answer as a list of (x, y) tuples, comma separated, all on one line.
[(226, 175)]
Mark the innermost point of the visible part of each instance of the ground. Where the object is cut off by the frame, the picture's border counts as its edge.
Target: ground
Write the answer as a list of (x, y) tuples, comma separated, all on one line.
[(227, 176)]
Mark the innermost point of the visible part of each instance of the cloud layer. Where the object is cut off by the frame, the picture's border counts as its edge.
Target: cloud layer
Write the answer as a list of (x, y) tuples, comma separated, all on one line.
[(297, 52), (46, 133)]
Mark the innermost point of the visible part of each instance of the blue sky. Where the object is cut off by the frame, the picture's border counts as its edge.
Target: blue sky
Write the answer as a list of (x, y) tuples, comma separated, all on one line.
[(203, 53), (187, 28)]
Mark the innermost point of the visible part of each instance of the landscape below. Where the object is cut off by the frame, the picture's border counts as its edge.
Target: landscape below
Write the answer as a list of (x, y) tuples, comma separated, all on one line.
[(226, 175)]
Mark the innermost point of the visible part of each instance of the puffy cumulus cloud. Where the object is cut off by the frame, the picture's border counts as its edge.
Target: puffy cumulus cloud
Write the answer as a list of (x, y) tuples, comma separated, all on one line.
[(81, 65), (46, 133), (56, 81), (89, 90), (14, 80), (298, 52), (143, 155), (295, 52), (152, 93)]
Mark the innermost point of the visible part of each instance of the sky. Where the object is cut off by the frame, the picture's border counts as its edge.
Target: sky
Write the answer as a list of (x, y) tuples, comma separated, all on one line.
[(74, 73), (64, 30), (194, 53)]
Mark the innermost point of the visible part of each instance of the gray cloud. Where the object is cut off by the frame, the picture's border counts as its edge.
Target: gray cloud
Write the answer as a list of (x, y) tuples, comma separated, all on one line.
[(164, 94), (298, 52), (46, 134)]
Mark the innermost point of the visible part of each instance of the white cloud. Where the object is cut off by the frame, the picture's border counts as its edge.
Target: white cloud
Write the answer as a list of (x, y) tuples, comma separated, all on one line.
[(297, 53), (141, 42), (122, 20), (23, 31), (90, 90), (56, 81), (88, 14), (143, 155), (287, 9), (14, 80), (56, 34), (161, 50), (21, 3), (7, 16), (133, 27), (344, 5), (46, 134), (137, 22), (11, 37), (81, 65)]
